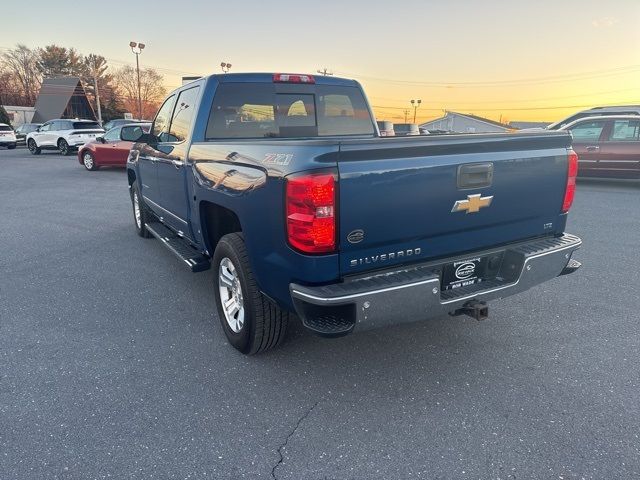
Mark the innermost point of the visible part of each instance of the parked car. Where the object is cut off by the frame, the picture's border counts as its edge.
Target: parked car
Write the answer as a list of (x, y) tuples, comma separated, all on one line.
[(109, 150), (119, 122), (62, 135), (406, 129), (608, 146), (596, 112), (386, 129), (7, 136), (23, 130), (281, 184)]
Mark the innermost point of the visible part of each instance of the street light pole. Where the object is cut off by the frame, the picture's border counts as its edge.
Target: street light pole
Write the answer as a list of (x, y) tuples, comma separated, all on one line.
[(225, 67), (140, 47), (415, 104)]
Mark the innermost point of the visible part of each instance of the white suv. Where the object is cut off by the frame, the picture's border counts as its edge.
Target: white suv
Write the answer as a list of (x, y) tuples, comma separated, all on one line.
[(7, 136), (63, 135)]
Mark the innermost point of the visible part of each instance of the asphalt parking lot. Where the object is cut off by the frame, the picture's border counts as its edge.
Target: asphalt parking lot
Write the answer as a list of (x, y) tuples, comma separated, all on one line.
[(114, 365)]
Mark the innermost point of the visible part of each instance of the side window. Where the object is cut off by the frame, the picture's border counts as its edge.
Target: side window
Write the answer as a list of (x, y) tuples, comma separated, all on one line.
[(161, 123), (45, 127), (183, 114), (338, 106), (587, 131), (625, 131), (113, 134)]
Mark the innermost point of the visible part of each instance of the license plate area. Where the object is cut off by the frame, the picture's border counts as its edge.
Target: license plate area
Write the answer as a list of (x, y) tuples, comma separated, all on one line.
[(470, 271)]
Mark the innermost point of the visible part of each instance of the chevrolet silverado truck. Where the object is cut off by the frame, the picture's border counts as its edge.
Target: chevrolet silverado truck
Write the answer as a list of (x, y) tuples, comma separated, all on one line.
[(282, 184)]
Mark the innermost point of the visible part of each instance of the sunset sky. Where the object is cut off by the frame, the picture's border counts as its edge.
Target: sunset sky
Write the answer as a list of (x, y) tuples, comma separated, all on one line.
[(515, 60)]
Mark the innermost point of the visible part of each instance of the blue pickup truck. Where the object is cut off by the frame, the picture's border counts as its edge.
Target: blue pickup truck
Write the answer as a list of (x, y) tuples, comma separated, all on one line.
[(282, 184)]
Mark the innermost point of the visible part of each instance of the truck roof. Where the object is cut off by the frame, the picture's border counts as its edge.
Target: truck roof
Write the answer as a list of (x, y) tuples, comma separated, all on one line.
[(268, 78)]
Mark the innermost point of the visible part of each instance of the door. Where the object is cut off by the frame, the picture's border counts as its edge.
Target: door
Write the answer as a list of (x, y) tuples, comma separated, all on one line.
[(620, 150), (42, 136), (105, 154), (586, 143), (149, 155), (171, 165)]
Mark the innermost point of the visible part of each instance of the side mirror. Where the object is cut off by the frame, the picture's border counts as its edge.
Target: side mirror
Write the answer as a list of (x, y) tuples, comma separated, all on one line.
[(131, 133), (100, 139)]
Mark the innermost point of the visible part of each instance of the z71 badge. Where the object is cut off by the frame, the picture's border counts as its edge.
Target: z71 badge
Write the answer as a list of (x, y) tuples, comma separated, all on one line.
[(282, 159)]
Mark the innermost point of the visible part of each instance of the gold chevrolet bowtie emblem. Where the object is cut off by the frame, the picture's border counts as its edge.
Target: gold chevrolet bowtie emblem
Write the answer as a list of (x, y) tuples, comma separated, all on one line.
[(472, 204)]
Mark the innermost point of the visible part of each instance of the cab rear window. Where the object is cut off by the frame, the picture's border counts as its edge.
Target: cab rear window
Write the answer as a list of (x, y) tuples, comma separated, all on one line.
[(257, 110)]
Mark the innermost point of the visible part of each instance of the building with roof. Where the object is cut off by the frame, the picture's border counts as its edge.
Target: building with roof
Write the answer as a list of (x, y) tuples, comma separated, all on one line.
[(62, 97), (523, 125), (465, 123), (19, 115)]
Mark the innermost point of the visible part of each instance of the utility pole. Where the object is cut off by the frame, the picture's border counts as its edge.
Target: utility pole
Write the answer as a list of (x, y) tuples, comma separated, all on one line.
[(415, 104), (325, 71), (95, 83), (140, 47), (406, 113)]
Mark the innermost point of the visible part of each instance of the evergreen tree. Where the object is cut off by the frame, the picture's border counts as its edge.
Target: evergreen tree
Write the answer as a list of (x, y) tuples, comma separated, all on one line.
[(4, 116)]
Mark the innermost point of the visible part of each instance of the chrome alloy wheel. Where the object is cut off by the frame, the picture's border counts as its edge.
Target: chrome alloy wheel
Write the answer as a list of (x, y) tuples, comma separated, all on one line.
[(231, 295), (87, 159), (32, 145), (136, 209)]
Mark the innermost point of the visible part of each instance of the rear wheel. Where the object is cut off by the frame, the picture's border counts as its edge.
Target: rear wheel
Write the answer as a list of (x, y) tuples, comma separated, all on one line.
[(251, 322), (141, 216), (88, 161), (63, 146), (33, 147)]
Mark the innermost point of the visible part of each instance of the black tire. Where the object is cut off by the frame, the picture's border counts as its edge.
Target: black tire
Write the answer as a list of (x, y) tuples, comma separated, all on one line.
[(11, 147), (145, 215), (89, 163), (265, 324), (33, 147), (63, 146)]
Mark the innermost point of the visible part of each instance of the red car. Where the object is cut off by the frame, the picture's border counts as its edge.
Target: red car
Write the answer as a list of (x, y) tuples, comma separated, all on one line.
[(607, 146), (109, 150)]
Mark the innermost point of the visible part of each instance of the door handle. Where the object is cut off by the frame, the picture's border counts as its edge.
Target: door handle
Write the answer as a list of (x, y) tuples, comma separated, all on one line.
[(475, 175), (593, 148)]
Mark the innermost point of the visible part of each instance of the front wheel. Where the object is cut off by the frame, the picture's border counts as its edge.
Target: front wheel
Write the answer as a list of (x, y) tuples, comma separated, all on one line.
[(33, 147), (251, 322), (63, 146), (88, 161)]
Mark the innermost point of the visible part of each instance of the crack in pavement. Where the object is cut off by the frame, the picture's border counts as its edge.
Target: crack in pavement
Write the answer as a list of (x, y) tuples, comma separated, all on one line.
[(286, 440)]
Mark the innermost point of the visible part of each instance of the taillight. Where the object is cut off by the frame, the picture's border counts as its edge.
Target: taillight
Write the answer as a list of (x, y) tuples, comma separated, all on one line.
[(293, 78), (311, 213), (572, 173)]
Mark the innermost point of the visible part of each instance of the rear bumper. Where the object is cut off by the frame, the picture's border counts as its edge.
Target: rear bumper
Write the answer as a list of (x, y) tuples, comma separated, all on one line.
[(414, 293)]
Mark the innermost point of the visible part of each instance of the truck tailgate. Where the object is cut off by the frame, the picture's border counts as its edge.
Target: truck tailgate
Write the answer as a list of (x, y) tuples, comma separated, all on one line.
[(396, 195)]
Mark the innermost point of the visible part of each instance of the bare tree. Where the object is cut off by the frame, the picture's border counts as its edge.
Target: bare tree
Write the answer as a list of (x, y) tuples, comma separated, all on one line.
[(152, 90), (19, 65)]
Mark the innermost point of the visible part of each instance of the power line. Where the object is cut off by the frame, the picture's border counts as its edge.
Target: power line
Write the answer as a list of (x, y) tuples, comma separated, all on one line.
[(527, 100), (524, 81)]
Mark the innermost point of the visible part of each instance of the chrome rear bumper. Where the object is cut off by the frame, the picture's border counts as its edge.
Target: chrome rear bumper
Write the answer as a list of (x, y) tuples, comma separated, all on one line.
[(411, 294)]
